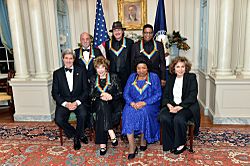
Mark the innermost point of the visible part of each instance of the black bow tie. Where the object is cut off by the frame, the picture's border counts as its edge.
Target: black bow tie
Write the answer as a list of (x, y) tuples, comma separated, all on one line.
[(85, 50), (70, 70)]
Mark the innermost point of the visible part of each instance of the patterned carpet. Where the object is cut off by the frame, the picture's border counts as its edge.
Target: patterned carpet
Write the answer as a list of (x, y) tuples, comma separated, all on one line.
[(35, 144)]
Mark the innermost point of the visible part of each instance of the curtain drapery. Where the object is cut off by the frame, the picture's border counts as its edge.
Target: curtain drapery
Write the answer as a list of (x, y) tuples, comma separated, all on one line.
[(5, 33)]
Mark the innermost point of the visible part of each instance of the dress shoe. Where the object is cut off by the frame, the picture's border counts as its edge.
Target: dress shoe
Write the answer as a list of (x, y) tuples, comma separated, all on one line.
[(77, 143), (103, 151), (131, 156), (114, 141), (143, 148), (84, 139), (180, 151), (172, 150)]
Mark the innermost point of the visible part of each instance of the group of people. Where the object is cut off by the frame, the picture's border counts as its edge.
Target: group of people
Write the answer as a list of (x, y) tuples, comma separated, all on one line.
[(130, 82)]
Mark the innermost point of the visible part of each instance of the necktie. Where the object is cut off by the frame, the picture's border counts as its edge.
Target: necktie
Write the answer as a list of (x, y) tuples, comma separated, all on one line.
[(85, 50), (70, 70)]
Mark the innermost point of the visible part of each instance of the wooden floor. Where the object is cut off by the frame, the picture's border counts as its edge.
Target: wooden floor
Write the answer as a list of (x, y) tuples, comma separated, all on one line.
[(5, 117)]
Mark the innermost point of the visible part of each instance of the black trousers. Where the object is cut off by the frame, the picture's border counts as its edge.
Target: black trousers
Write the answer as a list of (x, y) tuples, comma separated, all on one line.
[(174, 128), (62, 116)]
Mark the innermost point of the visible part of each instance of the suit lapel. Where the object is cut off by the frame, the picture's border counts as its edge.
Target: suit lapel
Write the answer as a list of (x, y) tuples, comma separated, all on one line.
[(75, 78), (184, 85), (64, 83), (171, 84)]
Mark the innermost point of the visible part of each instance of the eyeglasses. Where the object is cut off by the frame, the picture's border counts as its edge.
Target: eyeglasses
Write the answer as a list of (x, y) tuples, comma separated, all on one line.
[(147, 33)]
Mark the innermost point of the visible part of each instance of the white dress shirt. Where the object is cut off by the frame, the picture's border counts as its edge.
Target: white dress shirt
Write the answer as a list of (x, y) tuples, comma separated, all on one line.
[(69, 76), (86, 56), (177, 90)]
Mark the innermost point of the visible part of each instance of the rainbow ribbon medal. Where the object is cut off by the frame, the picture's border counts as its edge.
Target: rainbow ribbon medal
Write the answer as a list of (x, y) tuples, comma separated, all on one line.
[(91, 57), (117, 53), (144, 87), (145, 53), (97, 83)]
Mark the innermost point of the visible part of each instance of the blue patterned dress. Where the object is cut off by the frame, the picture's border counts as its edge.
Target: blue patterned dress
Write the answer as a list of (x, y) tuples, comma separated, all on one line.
[(143, 120)]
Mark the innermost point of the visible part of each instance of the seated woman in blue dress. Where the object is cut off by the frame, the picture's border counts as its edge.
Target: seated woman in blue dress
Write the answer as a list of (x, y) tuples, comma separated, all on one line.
[(105, 92), (142, 94), (180, 104)]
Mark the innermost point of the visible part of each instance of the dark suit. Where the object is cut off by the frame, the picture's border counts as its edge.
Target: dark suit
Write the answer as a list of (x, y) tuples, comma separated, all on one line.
[(174, 126), (158, 61), (78, 61), (61, 93), (120, 64)]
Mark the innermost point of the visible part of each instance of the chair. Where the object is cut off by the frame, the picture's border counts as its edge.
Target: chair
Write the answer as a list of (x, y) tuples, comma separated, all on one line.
[(72, 120), (8, 94), (190, 135)]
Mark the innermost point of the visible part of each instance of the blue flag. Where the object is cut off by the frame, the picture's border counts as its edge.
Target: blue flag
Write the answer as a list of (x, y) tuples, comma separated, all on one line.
[(160, 30), (100, 32), (160, 18)]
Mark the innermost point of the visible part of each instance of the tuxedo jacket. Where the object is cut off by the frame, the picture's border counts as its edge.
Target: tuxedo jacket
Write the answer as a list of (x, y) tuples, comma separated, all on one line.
[(78, 61), (60, 88), (158, 62), (189, 96)]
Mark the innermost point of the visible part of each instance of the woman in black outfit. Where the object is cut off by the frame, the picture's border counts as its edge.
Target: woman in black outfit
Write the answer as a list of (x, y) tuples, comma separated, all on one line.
[(179, 105), (105, 92)]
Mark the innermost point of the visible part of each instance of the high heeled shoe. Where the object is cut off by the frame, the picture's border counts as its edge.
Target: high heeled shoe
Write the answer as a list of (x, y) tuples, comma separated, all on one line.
[(103, 151), (131, 156), (114, 141), (143, 148)]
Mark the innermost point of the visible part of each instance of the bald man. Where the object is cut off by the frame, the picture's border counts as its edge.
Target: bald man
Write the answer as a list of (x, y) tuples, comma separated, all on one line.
[(86, 54)]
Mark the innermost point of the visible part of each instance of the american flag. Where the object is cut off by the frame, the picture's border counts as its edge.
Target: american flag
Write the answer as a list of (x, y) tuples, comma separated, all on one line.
[(100, 32)]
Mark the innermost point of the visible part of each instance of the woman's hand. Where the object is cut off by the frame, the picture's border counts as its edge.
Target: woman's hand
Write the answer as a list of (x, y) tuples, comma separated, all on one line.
[(133, 105), (138, 105), (175, 109), (106, 96), (171, 108)]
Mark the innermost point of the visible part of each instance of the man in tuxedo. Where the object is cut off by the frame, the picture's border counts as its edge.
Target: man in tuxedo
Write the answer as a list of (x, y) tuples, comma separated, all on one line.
[(86, 54), (153, 50), (70, 91)]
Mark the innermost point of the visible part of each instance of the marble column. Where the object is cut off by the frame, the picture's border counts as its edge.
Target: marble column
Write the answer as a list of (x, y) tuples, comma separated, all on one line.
[(17, 39), (38, 41), (246, 67), (224, 54)]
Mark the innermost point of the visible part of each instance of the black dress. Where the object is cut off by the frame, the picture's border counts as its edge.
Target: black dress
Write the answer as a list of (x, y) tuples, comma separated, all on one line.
[(105, 110)]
